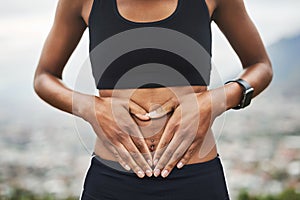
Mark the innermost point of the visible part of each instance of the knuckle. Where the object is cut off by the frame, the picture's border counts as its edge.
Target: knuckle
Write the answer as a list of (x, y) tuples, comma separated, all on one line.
[(169, 166), (194, 135), (115, 144), (124, 156), (126, 127), (177, 155), (181, 136), (191, 151), (174, 102), (122, 136), (109, 136), (164, 143), (158, 153), (139, 144), (200, 135), (116, 155), (168, 153), (121, 153), (184, 159), (135, 168), (117, 132), (135, 156), (198, 139), (126, 159), (189, 141), (145, 167)]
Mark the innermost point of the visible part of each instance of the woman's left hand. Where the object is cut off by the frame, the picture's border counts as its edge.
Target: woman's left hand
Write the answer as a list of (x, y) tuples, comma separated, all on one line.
[(186, 129)]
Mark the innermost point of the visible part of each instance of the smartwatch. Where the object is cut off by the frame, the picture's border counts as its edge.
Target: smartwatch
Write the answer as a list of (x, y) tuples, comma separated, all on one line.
[(247, 93)]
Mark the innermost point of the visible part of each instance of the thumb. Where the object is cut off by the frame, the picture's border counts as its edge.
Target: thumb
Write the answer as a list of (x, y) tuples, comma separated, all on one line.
[(138, 111), (164, 109)]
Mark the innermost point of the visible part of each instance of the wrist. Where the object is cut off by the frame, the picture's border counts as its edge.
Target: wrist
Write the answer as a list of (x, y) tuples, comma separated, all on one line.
[(233, 93), (215, 101), (83, 105)]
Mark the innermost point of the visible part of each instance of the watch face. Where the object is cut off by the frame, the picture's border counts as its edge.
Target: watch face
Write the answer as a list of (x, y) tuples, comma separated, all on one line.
[(247, 97), (249, 91)]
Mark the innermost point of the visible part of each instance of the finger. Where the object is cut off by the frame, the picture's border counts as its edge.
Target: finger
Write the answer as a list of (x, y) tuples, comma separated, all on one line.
[(116, 154), (126, 156), (138, 111), (111, 148), (164, 109), (116, 145), (130, 129), (137, 156), (177, 155), (173, 160), (187, 155), (139, 142), (170, 128), (141, 145), (167, 154)]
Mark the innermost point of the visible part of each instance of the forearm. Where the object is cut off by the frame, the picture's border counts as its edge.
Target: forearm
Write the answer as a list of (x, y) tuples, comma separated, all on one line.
[(229, 95), (233, 20), (258, 76), (52, 90)]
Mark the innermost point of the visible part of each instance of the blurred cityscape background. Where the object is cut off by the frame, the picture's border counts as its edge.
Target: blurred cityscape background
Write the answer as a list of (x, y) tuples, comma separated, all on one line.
[(46, 151)]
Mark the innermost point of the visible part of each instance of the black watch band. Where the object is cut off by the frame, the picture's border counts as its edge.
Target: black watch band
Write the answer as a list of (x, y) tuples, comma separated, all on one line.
[(247, 93)]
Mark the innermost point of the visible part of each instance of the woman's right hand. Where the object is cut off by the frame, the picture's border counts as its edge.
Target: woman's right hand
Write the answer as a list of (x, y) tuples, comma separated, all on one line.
[(111, 120)]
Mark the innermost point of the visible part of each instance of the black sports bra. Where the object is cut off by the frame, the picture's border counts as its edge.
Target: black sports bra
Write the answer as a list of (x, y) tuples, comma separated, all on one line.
[(174, 51)]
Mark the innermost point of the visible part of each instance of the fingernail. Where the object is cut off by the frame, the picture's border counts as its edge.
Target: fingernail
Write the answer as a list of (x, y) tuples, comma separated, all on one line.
[(141, 174), (179, 165), (139, 115), (149, 161), (142, 116), (127, 167), (164, 173), (155, 162), (156, 172), (149, 172)]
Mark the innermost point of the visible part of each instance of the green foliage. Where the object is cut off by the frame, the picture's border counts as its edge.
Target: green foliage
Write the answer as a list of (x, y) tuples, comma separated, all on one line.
[(288, 194)]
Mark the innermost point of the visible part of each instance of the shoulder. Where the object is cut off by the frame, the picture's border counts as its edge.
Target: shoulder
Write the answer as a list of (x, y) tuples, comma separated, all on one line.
[(226, 2), (228, 7), (73, 7), (71, 11)]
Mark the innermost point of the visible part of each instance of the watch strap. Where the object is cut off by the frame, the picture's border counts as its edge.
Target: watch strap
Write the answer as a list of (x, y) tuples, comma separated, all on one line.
[(247, 93)]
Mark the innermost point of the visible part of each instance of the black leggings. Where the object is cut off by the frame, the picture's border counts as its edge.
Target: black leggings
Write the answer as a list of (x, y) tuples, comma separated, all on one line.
[(107, 180)]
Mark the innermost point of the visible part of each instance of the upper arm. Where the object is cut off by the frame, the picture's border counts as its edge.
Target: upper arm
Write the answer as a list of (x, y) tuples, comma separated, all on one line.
[(235, 23), (63, 37)]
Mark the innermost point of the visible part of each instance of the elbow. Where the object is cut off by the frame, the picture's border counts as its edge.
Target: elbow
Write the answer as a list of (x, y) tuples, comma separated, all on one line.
[(269, 71), (38, 83)]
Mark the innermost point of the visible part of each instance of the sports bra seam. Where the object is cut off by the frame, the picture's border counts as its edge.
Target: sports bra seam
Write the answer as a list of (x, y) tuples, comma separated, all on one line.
[(92, 11), (209, 24), (123, 19), (206, 10)]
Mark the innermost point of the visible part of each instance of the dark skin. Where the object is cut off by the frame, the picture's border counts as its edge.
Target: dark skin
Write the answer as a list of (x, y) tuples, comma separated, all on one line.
[(170, 145)]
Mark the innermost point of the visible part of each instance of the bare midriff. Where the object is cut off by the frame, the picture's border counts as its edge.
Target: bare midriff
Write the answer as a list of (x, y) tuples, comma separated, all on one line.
[(149, 99)]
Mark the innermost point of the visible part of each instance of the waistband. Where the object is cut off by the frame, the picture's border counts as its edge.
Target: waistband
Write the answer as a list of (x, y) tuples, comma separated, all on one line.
[(211, 166)]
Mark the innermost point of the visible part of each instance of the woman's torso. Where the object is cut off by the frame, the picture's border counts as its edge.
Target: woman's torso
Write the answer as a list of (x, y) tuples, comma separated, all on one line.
[(149, 11)]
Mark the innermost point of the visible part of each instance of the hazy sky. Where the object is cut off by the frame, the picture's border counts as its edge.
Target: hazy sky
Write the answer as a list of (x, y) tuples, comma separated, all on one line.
[(25, 24)]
